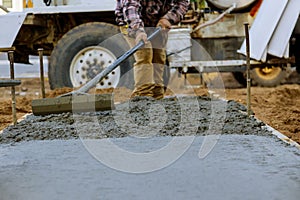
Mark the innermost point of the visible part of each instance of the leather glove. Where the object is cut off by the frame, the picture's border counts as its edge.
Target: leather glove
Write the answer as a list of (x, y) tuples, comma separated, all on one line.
[(141, 35), (164, 24)]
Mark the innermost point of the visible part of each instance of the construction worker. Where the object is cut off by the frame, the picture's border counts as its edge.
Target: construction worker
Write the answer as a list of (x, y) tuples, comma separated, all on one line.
[(135, 18)]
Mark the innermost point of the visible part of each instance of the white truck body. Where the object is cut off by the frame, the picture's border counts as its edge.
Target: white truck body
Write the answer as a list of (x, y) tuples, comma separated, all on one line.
[(49, 26), (224, 4), (13, 21), (72, 6), (103, 4)]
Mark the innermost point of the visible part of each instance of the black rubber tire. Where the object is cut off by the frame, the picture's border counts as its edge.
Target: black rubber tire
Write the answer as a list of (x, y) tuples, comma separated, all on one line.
[(259, 80), (268, 81), (78, 38), (240, 78), (298, 68), (297, 53)]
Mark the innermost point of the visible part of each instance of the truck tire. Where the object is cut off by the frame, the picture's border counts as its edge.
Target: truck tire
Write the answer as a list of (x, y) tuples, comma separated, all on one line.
[(297, 59), (268, 77), (84, 51), (264, 77), (240, 78), (297, 48), (298, 67)]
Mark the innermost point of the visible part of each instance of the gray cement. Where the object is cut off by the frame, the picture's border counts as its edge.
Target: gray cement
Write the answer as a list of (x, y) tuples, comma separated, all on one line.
[(44, 157), (239, 167), (173, 116)]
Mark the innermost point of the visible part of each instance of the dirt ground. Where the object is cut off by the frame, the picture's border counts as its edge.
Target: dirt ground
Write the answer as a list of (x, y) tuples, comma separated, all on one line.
[(278, 107)]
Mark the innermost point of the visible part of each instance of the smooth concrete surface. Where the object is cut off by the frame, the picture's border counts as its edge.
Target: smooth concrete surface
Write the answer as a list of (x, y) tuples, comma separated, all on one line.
[(239, 167)]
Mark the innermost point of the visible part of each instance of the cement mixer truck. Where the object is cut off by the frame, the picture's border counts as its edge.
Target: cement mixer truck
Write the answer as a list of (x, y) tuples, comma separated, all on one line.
[(78, 36)]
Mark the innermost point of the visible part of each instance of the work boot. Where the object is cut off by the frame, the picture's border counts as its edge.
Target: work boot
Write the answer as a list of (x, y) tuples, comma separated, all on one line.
[(143, 90), (158, 92)]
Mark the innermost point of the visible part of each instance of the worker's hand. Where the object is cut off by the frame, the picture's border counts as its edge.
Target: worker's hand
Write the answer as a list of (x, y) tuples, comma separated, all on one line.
[(140, 35), (164, 24)]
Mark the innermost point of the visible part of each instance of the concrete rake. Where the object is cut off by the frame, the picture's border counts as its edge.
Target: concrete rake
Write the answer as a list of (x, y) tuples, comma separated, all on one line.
[(79, 100)]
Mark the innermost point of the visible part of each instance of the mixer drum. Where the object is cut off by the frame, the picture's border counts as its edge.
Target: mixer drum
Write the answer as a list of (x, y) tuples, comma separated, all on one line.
[(223, 4)]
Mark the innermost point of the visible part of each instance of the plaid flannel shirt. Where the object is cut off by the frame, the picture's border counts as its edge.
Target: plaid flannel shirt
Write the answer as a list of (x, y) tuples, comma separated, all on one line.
[(139, 13)]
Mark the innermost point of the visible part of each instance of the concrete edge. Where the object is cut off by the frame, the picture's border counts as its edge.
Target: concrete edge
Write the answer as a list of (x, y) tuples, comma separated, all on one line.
[(279, 135), (275, 132), (283, 137)]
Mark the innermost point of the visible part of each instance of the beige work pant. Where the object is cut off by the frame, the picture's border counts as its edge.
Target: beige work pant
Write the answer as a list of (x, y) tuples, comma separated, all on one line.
[(149, 67)]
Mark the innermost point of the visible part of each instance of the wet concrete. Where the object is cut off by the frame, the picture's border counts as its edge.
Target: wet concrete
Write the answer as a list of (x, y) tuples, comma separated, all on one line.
[(239, 167), (44, 157), (171, 117)]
